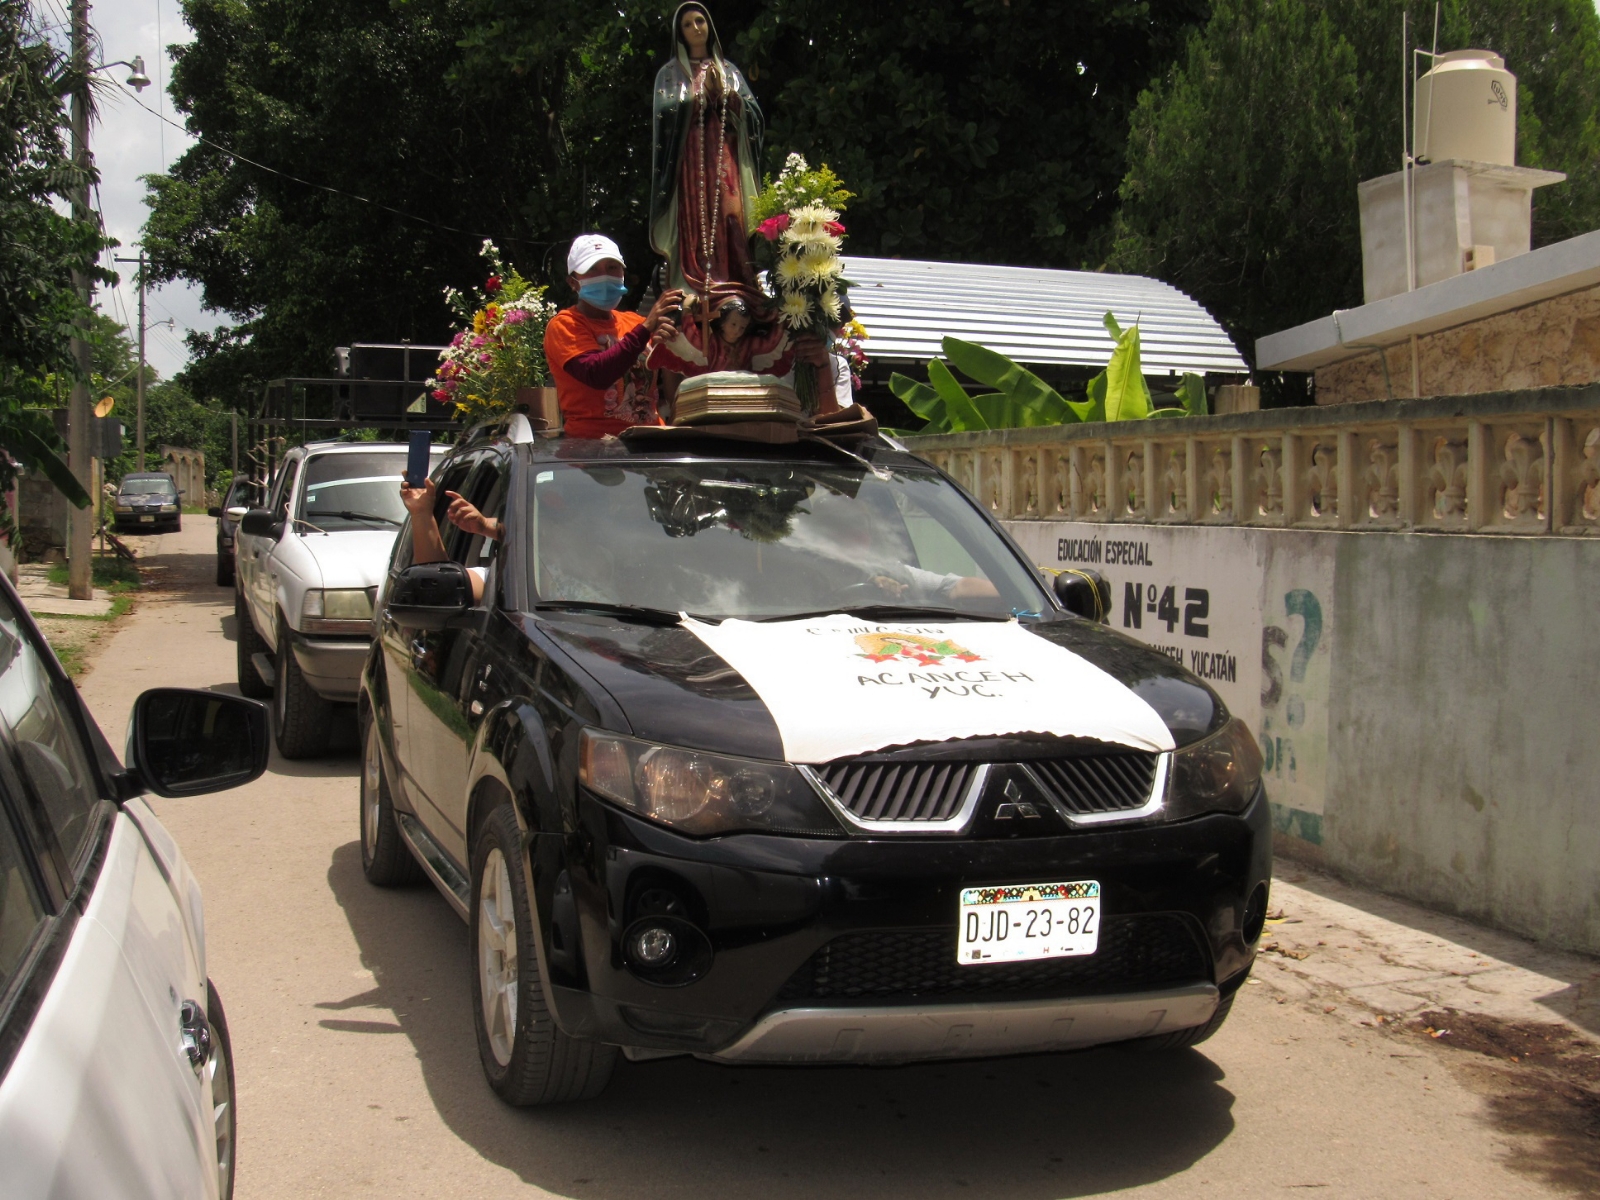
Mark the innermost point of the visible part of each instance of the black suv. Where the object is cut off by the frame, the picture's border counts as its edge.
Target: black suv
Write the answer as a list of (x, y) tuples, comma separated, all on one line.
[(785, 753)]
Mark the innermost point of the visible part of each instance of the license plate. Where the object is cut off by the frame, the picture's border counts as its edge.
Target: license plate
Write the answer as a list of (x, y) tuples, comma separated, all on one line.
[(150, 519), (1027, 921)]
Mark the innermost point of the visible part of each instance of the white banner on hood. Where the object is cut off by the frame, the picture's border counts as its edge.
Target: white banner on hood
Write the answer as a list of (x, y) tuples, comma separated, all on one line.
[(838, 685)]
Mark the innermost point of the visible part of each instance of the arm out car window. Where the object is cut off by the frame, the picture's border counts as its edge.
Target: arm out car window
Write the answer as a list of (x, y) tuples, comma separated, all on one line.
[(46, 743)]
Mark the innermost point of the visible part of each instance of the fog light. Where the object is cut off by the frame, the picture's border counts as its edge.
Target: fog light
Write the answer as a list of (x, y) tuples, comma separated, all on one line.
[(653, 946), (1255, 913)]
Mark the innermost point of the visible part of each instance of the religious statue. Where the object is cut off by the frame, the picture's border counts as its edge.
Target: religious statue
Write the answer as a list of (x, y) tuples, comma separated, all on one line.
[(706, 146)]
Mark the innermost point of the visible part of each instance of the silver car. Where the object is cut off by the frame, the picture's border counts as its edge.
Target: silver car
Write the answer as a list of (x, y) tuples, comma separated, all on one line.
[(116, 1072)]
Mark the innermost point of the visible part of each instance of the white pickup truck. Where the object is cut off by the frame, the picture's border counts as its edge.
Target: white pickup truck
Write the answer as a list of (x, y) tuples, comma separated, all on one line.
[(306, 569)]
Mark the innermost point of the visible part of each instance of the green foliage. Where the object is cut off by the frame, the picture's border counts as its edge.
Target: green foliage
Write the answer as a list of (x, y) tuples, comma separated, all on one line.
[(1127, 395), (172, 416), (799, 185), (972, 130), (40, 247), (1022, 400), (968, 127), (1243, 157)]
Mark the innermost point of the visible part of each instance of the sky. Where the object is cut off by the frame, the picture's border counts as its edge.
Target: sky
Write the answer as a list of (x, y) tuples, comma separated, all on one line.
[(127, 142)]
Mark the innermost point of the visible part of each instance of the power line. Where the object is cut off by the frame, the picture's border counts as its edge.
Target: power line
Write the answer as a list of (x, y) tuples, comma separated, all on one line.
[(335, 191)]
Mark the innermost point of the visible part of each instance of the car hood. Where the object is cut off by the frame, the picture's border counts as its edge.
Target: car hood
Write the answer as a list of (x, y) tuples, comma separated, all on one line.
[(674, 689), (353, 558)]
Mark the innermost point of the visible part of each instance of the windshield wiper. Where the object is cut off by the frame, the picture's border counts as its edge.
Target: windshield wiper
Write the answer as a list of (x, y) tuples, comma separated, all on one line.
[(631, 612), (347, 515), (891, 612)]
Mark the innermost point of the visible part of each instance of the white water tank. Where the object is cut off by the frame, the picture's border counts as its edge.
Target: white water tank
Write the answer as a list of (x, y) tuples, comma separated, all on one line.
[(1466, 108)]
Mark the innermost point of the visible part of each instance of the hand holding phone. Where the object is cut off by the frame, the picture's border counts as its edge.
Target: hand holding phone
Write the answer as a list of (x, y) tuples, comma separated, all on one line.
[(417, 461)]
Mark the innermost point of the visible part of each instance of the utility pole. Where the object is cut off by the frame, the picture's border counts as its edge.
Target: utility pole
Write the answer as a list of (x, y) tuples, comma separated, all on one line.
[(233, 420), (80, 542), (138, 420)]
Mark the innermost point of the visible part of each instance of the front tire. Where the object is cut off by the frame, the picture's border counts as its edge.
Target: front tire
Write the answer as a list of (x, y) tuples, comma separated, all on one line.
[(248, 643), (526, 1058), (224, 570), (302, 717), (224, 1114), (385, 860)]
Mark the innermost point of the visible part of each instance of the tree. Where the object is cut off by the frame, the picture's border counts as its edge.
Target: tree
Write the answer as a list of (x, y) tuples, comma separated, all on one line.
[(1243, 159), (972, 129), (39, 249)]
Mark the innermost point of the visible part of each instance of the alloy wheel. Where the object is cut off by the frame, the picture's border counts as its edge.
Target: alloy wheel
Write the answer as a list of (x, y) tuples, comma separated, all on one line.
[(222, 1120), (497, 955)]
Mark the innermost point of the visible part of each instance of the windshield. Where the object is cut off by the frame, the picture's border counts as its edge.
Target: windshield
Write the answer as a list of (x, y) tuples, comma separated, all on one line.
[(759, 540), (353, 490), (148, 487)]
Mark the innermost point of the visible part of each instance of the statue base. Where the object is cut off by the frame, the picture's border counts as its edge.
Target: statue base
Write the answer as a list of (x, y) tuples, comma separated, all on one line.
[(720, 396)]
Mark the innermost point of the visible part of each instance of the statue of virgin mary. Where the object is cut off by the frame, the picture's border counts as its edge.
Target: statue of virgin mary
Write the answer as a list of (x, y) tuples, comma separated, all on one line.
[(707, 141)]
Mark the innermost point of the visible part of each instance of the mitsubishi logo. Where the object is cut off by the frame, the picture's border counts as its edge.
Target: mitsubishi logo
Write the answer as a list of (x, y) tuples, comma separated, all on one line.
[(1014, 806)]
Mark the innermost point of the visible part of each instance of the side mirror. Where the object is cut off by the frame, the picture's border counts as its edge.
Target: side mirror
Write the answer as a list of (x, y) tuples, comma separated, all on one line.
[(429, 595), (213, 511), (258, 522), (236, 512), (1084, 592), (185, 742)]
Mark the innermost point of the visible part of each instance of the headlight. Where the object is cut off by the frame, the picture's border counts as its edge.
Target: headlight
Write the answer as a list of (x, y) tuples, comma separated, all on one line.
[(336, 610), (699, 793), (124, 508), (169, 508), (1219, 774)]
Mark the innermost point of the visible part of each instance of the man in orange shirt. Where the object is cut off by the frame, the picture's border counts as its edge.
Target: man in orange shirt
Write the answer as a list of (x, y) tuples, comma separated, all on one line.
[(596, 354)]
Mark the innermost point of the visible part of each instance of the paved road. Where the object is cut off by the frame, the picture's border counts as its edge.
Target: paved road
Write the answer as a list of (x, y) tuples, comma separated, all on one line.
[(358, 1074)]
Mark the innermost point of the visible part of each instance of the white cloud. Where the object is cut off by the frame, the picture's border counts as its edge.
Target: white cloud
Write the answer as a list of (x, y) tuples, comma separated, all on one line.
[(129, 142)]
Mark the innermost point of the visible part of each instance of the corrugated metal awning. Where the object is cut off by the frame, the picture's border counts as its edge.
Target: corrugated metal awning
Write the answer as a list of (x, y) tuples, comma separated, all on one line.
[(1031, 314)]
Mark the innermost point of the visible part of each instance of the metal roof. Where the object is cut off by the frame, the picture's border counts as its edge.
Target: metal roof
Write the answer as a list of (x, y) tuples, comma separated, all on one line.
[(1031, 314)]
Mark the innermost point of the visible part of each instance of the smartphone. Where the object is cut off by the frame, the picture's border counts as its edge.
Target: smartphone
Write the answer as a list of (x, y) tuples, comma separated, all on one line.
[(417, 461)]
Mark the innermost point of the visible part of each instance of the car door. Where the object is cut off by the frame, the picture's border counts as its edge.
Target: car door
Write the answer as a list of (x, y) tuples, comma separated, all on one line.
[(99, 950), (261, 591), (406, 653), (446, 672)]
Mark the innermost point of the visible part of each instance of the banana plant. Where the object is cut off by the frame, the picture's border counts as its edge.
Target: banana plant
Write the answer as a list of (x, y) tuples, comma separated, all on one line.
[(1022, 400)]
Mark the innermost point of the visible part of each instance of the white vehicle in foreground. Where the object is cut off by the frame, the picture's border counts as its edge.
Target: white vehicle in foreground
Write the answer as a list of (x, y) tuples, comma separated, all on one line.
[(116, 1073), (306, 569)]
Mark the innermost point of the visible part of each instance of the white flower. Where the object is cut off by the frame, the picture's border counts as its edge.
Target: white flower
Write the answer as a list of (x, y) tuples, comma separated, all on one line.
[(795, 164), (831, 308), (828, 268), (796, 310), (789, 270)]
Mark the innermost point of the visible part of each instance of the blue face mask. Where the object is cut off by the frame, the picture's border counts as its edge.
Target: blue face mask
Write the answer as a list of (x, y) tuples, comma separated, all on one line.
[(604, 291)]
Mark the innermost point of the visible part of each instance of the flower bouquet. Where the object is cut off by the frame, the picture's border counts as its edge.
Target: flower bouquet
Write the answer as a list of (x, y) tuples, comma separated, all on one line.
[(500, 350), (797, 241)]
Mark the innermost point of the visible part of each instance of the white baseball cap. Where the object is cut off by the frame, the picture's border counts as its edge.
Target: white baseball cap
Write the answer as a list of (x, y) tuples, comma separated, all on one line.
[(588, 249)]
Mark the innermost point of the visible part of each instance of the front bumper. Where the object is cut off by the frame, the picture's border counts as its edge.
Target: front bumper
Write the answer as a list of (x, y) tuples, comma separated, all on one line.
[(134, 522), (844, 950), (332, 666), (920, 1033)]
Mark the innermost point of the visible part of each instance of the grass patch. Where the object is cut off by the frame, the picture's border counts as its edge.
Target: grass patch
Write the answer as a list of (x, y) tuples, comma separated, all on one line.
[(113, 574)]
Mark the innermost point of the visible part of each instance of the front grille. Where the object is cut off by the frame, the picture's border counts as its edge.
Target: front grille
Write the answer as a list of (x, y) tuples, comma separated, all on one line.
[(879, 791), (1136, 953), (1099, 783)]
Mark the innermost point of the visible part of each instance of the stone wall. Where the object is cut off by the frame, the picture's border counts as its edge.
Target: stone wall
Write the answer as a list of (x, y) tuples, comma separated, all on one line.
[(1421, 700), (1552, 343)]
